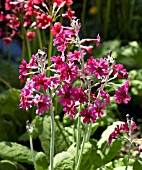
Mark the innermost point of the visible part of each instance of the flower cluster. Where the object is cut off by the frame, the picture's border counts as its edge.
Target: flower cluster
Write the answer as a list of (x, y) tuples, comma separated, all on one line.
[(68, 67), (23, 17)]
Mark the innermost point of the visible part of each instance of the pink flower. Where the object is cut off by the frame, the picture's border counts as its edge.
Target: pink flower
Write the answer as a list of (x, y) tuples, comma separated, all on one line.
[(98, 67), (105, 96), (56, 28), (26, 98), (44, 20), (66, 93), (69, 72), (40, 81), (88, 115), (42, 102), (58, 61), (98, 108), (75, 56), (121, 128), (67, 2), (121, 95), (69, 14), (30, 35), (23, 70), (13, 21), (80, 95), (120, 71), (7, 40), (70, 110), (32, 63)]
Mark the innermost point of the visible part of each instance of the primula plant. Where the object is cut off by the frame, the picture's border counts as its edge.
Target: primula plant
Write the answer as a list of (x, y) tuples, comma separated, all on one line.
[(70, 75)]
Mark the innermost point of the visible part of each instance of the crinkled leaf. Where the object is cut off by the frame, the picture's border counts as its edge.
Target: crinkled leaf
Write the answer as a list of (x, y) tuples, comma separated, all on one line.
[(109, 152), (138, 163), (61, 137), (91, 159), (15, 152), (12, 119), (5, 165), (41, 161), (64, 161)]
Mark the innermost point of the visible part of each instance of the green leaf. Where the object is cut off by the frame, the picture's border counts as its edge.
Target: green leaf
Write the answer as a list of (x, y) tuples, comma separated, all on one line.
[(138, 163), (12, 119), (62, 141), (91, 159), (109, 152), (63, 161), (5, 164), (41, 161), (15, 152)]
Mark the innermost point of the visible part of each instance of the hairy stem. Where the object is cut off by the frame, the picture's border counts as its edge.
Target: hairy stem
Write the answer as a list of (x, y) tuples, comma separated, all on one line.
[(52, 133), (32, 151)]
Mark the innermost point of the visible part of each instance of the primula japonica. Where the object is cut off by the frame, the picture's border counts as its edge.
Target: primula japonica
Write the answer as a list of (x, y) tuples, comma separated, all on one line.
[(49, 76)]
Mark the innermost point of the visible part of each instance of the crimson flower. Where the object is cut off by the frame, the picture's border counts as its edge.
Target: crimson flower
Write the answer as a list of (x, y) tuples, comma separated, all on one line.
[(70, 110), (56, 28), (75, 56), (69, 72), (66, 92), (98, 67), (69, 14), (30, 35), (88, 115), (40, 80), (42, 102), (26, 98), (44, 20), (121, 95), (120, 71)]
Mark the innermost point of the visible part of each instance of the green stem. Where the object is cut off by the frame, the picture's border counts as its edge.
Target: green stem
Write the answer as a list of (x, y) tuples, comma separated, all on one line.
[(43, 33), (129, 151), (50, 50), (52, 133), (107, 17), (6, 83), (81, 150), (23, 48), (78, 139), (39, 38), (32, 151), (9, 63)]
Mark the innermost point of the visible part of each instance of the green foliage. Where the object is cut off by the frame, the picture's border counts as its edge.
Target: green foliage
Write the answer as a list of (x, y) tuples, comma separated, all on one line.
[(15, 152), (12, 119), (112, 151), (61, 137), (41, 161), (5, 164)]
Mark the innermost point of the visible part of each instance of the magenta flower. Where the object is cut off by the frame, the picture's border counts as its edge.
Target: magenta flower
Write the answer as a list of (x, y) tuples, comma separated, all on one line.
[(56, 28), (40, 80), (119, 129), (98, 108), (42, 102), (105, 96), (75, 56), (70, 110), (69, 72), (121, 95), (120, 71), (69, 14), (44, 20), (23, 70), (32, 63), (80, 95), (26, 98), (58, 61), (30, 35), (98, 67), (66, 92), (88, 115)]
